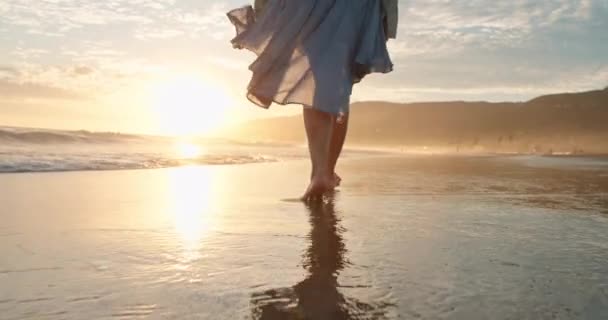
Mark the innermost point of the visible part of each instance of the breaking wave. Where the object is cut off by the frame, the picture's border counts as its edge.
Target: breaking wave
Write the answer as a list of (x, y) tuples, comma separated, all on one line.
[(41, 150)]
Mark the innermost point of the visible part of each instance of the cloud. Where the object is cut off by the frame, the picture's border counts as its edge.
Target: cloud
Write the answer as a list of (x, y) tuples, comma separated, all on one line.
[(8, 72), (26, 54), (56, 18), (208, 20), (494, 50), (471, 48), (142, 19), (17, 91), (82, 70), (439, 27), (155, 33), (80, 80)]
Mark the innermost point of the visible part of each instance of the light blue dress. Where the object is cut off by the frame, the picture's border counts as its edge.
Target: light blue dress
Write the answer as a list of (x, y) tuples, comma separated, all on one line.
[(311, 52)]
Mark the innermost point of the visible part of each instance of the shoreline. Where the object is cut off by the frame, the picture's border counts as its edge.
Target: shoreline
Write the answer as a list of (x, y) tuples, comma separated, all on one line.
[(401, 233), (371, 153)]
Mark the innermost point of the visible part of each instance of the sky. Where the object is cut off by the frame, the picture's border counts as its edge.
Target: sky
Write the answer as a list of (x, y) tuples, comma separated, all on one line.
[(167, 66)]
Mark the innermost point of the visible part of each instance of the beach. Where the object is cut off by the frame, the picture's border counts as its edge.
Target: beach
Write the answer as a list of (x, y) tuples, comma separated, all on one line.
[(404, 237)]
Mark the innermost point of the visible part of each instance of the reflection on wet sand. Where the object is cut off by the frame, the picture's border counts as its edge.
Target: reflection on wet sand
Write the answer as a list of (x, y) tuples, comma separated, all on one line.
[(318, 296)]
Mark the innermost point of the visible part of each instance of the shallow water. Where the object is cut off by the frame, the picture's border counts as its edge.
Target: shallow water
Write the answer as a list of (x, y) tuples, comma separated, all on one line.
[(429, 237)]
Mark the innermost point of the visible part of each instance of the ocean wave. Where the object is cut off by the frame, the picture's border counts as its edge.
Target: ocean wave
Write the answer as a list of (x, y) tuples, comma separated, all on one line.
[(42, 136), (81, 162)]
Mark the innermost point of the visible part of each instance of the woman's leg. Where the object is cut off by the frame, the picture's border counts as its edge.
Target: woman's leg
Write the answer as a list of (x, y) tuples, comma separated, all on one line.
[(337, 142), (319, 126)]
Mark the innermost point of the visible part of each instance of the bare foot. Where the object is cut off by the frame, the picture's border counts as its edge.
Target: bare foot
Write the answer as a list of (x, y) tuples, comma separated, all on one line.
[(318, 186)]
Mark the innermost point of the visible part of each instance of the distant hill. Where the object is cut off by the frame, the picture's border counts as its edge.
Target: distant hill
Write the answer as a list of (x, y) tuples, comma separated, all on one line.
[(558, 123)]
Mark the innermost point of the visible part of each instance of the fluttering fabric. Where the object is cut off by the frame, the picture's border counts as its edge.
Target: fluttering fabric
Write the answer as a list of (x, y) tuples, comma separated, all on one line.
[(311, 52)]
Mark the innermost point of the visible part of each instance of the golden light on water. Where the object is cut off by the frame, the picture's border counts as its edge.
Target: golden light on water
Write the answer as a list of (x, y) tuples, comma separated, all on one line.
[(193, 207), (187, 105)]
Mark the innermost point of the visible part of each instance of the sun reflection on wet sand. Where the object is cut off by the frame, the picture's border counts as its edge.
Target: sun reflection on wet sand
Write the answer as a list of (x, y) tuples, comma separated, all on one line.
[(193, 207)]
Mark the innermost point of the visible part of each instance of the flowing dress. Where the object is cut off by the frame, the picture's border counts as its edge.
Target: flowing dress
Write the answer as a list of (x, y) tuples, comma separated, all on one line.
[(311, 52)]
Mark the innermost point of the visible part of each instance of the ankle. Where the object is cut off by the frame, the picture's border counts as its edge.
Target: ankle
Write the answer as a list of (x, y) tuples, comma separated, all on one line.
[(322, 174)]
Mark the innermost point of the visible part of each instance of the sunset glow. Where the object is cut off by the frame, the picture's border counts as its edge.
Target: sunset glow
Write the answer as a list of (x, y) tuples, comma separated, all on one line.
[(188, 105), (186, 150), (104, 66)]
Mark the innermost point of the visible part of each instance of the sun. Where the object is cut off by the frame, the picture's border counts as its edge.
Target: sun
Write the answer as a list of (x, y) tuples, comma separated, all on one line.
[(188, 105), (187, 150)]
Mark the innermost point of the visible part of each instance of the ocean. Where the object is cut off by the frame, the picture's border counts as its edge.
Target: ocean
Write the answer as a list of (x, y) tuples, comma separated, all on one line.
[(41, 150)]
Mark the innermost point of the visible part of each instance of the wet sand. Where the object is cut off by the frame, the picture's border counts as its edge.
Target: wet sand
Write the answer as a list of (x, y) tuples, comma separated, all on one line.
[(405, 237)]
